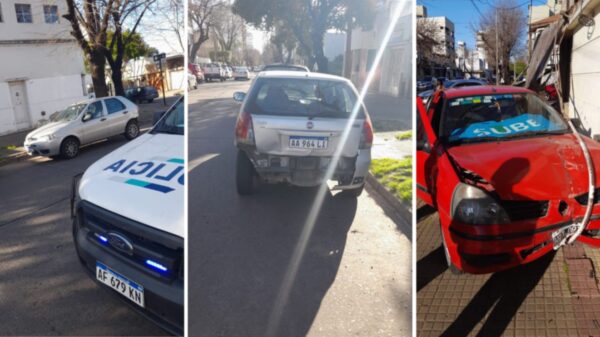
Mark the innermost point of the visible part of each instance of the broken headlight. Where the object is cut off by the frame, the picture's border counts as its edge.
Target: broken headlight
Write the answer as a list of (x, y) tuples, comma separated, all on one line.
[(473, 206)]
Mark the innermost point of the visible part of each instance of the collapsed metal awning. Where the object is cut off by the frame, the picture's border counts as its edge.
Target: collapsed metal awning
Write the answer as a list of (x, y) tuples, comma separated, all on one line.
[(541, 52)]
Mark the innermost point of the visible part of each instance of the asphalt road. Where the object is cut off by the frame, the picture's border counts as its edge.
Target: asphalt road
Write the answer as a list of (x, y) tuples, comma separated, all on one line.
[(354, 278), (43, 288)]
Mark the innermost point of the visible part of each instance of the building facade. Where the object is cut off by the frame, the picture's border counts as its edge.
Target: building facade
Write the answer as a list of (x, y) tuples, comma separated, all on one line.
[(394, 74), (42, 68)]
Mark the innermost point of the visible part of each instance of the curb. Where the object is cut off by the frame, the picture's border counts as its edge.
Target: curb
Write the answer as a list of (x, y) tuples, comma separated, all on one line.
[(401, 208)]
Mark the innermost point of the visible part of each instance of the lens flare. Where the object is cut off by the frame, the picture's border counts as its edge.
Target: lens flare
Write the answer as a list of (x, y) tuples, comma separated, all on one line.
[(288, 280)]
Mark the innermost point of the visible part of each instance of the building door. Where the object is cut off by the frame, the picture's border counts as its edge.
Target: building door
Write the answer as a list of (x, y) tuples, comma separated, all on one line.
[(19, 103)]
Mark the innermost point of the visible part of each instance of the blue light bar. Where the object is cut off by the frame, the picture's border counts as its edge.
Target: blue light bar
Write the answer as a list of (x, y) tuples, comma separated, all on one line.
[(156, 265), (102, 238)]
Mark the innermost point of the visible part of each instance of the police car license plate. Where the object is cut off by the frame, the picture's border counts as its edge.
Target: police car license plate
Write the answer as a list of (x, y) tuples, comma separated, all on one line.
[(311, 143), (120, 284)]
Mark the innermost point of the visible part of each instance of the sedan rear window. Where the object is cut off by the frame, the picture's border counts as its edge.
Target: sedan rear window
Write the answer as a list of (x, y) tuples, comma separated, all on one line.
[(302, 97), (498, 117)]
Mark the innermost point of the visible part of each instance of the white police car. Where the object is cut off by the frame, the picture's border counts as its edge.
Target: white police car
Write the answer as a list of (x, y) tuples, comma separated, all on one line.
[(128, 221)]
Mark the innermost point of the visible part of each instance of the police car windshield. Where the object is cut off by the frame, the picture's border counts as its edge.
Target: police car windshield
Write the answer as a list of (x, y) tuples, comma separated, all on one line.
[(173, 122), (498, 117)]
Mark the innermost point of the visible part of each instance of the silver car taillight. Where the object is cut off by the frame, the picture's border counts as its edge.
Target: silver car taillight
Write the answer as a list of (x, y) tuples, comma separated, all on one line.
[(244, 131)]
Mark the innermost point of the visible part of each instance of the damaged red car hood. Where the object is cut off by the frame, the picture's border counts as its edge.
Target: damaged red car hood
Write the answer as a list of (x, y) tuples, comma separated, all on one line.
[(539, 168)]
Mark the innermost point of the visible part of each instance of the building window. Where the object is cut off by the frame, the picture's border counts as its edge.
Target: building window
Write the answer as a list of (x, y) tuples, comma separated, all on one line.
[(23, 13), (51, 14)]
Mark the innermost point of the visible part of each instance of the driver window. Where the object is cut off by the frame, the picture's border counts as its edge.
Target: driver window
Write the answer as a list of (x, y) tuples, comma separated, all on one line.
[(95, 109)]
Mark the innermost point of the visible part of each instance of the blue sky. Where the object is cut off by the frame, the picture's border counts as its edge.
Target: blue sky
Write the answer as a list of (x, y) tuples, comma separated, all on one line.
[(464, 15)]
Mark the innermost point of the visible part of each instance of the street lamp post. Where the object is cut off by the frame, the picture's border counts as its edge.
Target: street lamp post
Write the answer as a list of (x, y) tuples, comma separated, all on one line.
[(497, 61)]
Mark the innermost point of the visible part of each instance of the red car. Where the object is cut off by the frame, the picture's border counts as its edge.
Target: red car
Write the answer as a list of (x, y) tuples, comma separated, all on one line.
[(505, 174)]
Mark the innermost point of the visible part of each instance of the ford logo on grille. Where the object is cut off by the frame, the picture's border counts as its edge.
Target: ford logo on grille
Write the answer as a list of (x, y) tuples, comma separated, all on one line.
[(120, 243), (309, 125)]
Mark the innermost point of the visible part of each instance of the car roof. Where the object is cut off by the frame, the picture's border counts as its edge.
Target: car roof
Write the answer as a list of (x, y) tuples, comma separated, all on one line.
[(298, 74), (484, 90)]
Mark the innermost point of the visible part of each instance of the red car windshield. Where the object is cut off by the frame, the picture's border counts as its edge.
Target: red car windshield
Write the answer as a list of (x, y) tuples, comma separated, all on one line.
[(497, 117)]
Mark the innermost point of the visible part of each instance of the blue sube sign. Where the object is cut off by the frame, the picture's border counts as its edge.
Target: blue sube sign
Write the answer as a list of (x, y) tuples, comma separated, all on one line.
[(504, 128)]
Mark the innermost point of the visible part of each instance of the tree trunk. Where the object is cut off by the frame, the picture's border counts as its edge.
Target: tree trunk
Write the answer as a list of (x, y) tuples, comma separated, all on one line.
[(348, 56), (117, 78), (319, 55), (97, 67)]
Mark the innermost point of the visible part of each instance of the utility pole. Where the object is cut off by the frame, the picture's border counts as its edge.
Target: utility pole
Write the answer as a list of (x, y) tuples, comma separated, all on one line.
[(497, 61)]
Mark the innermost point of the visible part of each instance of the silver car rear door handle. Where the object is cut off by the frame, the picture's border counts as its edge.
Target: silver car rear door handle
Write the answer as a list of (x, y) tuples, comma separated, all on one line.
[(102, 119), (124, 112)]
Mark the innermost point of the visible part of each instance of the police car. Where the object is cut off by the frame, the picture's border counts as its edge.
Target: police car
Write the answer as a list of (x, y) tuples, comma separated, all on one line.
[(128, 221)]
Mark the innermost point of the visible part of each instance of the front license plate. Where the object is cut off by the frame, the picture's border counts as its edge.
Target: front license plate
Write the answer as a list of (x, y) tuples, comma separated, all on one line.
[(558, 237), (120, 284), (311, 143)]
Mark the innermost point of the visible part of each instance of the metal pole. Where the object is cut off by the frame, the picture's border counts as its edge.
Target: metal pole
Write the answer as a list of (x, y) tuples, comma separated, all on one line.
[(162, 79), (497, 61)]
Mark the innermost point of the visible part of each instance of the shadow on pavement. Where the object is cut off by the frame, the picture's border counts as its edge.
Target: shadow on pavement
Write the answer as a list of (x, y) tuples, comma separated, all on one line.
[(430, 267), (241, 247), (503, 293)]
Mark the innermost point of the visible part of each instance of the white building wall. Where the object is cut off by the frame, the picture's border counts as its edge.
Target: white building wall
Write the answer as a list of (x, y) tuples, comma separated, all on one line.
[(7, 118), (585, 71), (43, 56), (53, 94)]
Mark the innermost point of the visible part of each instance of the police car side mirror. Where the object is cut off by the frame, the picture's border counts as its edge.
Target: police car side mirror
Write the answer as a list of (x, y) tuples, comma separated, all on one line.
[(157, 116), (86, 117), (239, 96)]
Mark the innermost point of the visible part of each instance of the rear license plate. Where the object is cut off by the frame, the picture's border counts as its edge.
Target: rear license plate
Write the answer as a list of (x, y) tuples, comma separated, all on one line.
[(311, 143), (558, 236), (124, 286)]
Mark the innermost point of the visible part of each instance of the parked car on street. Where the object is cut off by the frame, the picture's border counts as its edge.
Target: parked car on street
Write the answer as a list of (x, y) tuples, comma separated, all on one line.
[(228, 72), (426, 83), (141, 94), (290, 126), (426, 95), (287, 67), (241, 73), (196, 70), (128, 221), (83, 123), (192, 82), (506, 176), (214, 71)]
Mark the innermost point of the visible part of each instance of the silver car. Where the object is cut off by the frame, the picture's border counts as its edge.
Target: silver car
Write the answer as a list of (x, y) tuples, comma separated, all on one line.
[(84, 123), (291, 124)]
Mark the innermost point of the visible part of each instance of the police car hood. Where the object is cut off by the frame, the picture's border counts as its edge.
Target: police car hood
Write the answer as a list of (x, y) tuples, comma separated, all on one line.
[(142, 180)]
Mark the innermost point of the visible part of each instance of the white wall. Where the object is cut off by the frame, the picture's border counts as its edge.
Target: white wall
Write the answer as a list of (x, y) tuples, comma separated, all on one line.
[(7, 118), (53, 94), (585, 72), (29, 61), (10, 29)]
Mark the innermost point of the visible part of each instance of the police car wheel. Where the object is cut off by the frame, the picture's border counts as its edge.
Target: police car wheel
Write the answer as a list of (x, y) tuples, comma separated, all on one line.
[(246, 179), (132, 130), (69, 148)]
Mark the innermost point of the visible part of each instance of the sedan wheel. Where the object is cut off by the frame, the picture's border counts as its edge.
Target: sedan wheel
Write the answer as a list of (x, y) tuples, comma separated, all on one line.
[(132, 130), (69, 148)]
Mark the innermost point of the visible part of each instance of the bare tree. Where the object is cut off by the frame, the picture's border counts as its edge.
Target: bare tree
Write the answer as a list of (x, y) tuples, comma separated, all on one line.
[(229, 29), (426, 43), (90, 22), (503, 28), (201, 19)]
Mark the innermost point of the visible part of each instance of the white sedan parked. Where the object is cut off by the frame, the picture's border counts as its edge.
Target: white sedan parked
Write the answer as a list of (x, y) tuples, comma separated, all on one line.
[(241, 73), (83, 123)]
